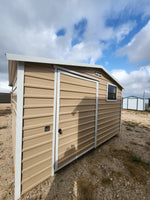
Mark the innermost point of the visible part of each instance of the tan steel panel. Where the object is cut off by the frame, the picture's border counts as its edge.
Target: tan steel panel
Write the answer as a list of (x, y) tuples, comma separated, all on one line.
[(71, 155), (37, 101), (105, 130), (73, 148), (34, 141), (35, 180), (77, 109), (106, 124), (65, 116), (83, 95), (106, 117), (77, 128), (75, 137), (66, 86), (76, 102), (26, 173), (41, 70), (73, 80), (35, 131), (28, 122), (36, 158), (107, 137), (36, 91), (74, 121), (36, 150), (37, 111), (36, 81)]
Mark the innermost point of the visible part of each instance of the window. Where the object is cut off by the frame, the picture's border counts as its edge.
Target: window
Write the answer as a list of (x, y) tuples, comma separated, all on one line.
[(111, 92)]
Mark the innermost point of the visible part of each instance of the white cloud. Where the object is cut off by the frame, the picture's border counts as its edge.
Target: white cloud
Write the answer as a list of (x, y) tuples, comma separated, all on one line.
[(138, 49), (29, 27), (135, 82), (124, 30), (4, 86)]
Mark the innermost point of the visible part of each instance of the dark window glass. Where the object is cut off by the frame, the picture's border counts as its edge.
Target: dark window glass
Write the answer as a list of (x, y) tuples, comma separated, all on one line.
[(112, 92)]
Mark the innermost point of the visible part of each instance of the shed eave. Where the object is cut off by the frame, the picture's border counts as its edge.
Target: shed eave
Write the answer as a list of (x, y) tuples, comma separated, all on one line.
[(16, 57)]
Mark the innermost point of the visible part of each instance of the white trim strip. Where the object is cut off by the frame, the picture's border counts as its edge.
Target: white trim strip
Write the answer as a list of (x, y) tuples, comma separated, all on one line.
[(74, 73), (19, 124), (74, 158), (57, 120), (54, 120), (96, 113)]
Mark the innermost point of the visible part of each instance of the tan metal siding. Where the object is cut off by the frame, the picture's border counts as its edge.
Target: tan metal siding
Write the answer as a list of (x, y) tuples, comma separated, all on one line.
[(106, 109), (108, 112), (38, 113)]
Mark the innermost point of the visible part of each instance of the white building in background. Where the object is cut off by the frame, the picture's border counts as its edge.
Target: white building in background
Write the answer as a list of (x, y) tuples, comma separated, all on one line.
[(135, 103)]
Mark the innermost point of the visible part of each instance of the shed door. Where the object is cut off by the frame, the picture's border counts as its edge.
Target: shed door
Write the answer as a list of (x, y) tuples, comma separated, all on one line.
[(76, 117)]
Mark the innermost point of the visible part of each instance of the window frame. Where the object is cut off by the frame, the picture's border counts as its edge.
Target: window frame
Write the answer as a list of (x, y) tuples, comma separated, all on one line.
[(116, 92)]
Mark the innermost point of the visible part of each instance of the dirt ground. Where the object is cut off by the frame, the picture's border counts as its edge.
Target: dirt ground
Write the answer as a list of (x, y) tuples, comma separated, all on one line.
[(118, 169)]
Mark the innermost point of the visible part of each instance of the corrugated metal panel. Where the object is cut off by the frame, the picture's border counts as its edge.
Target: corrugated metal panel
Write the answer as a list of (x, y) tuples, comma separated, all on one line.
[(38, 113), (125, 103), (132, 103), (140, 104)]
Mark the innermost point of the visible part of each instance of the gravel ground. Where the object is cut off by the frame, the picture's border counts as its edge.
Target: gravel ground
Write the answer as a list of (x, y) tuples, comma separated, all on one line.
[(118, 169)]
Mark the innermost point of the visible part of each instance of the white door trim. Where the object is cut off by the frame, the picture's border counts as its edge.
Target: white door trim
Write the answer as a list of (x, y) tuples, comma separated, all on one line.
[(81, 76), (77, 73)]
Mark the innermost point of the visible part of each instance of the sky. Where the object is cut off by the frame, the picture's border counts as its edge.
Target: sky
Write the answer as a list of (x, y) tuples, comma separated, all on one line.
[(111, 33)]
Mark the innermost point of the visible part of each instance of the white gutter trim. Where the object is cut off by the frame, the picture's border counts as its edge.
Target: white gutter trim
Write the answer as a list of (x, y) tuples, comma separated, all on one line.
[(19, 124), (23, 58)]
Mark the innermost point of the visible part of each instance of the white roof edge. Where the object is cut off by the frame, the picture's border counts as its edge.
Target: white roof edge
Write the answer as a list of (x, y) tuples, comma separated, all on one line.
[(22, 58)]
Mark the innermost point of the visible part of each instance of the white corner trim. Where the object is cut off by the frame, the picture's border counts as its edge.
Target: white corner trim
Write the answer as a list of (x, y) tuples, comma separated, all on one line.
[(19, 124), (96, 114), (54, 120)]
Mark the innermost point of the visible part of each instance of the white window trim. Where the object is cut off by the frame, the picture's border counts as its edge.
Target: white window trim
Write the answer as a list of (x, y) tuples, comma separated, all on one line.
[(116, 92)]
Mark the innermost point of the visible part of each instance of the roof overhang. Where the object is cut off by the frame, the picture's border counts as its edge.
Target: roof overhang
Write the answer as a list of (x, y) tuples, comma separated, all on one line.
[(13, 58)]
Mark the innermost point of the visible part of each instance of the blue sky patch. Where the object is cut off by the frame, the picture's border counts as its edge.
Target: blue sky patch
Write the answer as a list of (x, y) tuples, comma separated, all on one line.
[(61, 32), (78, 31)]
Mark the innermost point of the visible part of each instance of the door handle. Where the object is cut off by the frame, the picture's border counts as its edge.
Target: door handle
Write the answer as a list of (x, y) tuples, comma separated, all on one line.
[(60, 131)]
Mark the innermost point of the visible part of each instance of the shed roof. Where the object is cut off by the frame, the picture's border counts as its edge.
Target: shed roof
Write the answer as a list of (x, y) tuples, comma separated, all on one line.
[(13, 58)]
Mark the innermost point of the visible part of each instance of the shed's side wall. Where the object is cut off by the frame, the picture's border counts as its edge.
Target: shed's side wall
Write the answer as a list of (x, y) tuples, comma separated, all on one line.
[(38, 113), (109, 112), (14, 112)]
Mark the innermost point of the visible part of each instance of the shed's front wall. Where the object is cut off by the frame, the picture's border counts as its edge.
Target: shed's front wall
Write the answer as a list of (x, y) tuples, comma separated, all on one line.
[(38, 113)]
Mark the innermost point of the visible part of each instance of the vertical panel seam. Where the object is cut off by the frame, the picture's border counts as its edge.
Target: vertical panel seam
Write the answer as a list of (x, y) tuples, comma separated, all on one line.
[(57, 118)]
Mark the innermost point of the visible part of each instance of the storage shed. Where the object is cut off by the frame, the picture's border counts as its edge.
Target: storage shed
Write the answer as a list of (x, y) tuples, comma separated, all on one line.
[(135, 103), (60, 111)]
